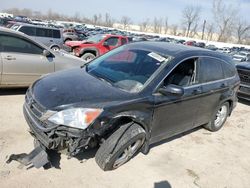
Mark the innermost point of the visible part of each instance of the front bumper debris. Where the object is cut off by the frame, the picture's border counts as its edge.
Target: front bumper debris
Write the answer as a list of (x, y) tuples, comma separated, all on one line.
[(58, 137), (37, 158)]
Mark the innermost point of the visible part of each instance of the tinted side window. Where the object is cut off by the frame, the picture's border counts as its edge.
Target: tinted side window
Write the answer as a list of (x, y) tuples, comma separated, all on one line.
[(229, 70), (210, 69), (42, 32), (28, 30), (18, 45), (56, 34), (124, 41), (113, 41)]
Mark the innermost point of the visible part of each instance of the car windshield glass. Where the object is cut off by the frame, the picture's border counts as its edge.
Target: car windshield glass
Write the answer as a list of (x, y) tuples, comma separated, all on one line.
[(96, 38), (127, 69)]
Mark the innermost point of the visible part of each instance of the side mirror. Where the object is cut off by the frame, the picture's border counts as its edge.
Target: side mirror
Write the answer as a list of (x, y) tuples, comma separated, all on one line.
[(46, 53), (105, 43), (172, 89)]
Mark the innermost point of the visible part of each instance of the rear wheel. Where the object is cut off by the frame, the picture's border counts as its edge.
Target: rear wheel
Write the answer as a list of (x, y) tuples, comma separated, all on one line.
[(120, 147), (88, 57), (219, 118), (55, 48)]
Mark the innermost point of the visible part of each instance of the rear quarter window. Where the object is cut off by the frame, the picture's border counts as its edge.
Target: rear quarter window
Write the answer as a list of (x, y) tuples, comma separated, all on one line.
[(228, 69)]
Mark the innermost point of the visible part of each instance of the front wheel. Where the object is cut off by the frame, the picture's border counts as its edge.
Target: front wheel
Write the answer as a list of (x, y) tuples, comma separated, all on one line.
[(88, 57), (219, 118), (120, 147)]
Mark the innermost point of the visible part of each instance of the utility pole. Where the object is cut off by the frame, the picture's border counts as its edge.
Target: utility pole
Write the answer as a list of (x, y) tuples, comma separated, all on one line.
[(203, 29)]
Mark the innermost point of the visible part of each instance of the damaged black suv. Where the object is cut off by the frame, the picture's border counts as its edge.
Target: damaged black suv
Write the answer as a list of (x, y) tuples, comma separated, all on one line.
[(131, 97)]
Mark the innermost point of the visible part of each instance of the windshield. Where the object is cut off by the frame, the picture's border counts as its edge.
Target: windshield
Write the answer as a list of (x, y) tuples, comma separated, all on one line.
[(127, 69), (96, 38)]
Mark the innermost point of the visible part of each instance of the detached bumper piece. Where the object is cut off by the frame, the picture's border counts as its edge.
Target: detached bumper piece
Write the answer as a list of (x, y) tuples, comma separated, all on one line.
[(36, 158)]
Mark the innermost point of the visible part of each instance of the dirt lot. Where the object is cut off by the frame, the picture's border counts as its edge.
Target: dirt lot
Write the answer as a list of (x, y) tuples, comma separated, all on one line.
[(196, 159)]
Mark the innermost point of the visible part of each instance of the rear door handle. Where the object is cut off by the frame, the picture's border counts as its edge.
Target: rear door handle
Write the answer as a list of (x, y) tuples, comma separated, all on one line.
[(51, 41), (223, 85), (10, 58)]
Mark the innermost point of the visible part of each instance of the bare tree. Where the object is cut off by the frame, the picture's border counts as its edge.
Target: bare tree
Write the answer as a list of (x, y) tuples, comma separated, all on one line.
[(126, 21), (224, 17), (242, 29), (166, 25), (95, 19), (157, 25), (144, 25), (108, 22), (174, 29), (210, 31), (191, 16)]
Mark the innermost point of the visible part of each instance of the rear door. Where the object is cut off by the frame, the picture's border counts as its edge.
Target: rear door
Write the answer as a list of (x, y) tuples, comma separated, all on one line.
[(212, 87), (22, 61)]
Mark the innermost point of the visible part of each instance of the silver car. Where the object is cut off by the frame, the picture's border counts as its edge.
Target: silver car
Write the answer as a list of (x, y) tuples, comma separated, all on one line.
[(23, 60), (51, 37)]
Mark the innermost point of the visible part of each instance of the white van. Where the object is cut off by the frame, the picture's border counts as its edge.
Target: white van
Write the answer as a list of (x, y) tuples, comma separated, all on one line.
[(51, 37)]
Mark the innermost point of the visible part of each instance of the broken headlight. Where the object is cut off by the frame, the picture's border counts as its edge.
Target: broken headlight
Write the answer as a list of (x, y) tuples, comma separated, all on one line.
[(76, 117)]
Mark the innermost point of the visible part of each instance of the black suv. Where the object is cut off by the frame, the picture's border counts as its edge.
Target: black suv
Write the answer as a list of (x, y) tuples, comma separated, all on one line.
[(131, 97), (244, 73)]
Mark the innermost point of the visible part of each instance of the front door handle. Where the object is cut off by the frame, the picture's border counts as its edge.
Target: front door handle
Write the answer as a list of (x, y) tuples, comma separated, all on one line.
[(196, 91), (10, 58)]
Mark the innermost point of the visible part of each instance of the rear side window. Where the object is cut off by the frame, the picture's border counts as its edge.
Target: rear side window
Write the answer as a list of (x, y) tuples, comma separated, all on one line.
[(31, 31), (56, 34), (210, 69), (42, 32), (18, 45)]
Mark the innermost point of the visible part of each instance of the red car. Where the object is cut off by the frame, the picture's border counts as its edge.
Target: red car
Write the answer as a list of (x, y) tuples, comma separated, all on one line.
[(96, 45)]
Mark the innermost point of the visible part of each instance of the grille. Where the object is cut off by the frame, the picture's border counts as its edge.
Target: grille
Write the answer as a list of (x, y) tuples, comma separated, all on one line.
[(244, 76), (35, 109)]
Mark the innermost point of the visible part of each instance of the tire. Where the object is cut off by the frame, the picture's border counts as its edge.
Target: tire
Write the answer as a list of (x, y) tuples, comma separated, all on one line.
[(123, 144), (88, 57), (219, 118), (67, 40), (55, 48)]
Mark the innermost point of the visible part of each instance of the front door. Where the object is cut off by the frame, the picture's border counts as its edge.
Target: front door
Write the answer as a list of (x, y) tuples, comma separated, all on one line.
[(174, 114), (23, 61)]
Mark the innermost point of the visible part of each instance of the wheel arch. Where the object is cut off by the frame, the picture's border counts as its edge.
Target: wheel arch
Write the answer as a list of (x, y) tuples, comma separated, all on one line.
[(89, 50)]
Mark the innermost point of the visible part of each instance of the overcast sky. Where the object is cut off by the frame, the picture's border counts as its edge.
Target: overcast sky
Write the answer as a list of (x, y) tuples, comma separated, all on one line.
[(138, 10)]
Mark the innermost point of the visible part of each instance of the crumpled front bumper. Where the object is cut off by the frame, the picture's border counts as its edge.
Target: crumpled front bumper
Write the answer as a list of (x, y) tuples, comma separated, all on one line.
[(58, 137)]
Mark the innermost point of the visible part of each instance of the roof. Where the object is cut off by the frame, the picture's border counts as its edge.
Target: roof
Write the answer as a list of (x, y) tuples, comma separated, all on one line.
[(170, 49)]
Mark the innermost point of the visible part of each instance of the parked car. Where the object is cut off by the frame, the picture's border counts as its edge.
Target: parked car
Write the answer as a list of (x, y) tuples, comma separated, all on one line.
[(24, 60), (190, 43), (96, 45), (211, 47), (133, 96), (51, 37), (244, 73), (242, 56), (70, 36), (200, 44)]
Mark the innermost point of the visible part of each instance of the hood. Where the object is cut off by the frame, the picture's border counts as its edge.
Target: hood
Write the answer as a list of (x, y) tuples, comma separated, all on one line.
[(77, 43), (243, 65), (75, 87), (73, 43)]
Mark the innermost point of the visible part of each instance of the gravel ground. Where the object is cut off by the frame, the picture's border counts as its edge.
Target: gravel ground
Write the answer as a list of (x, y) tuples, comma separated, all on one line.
[(195, 159)]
